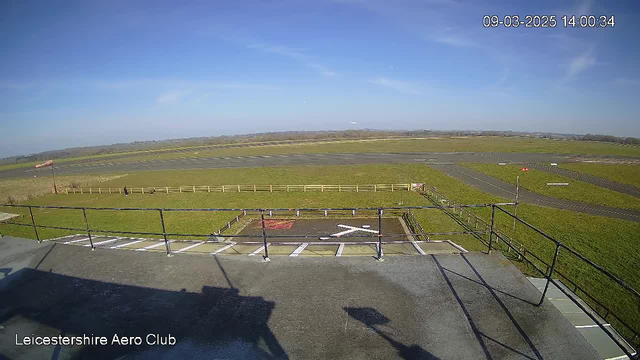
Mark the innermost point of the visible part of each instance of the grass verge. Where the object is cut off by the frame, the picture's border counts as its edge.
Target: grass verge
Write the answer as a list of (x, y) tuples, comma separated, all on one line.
[(624, 174), (536, 181)]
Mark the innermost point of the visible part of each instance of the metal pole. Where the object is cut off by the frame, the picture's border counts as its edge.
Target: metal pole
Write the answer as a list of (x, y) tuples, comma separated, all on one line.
[(493, 217), (164, 234), (34, 225), (379, 235), (553, 265), (53, 173), (516, 206), (86, 222), (264, 237)]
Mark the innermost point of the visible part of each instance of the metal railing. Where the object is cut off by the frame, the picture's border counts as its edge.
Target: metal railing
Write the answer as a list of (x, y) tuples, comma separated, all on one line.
[(242, 188), (367, 211), (550, 268)]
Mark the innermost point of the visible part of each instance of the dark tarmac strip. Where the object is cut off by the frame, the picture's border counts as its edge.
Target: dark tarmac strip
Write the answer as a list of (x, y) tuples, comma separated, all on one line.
[(503, 189), (472, 306), (290, 159)]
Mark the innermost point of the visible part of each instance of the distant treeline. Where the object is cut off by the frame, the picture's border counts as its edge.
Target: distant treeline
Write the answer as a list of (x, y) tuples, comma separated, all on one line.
[(613, 139), (292, 136)]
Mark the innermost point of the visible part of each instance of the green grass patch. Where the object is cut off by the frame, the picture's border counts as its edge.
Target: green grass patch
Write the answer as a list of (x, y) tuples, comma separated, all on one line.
[(624, 174), (536, 181)]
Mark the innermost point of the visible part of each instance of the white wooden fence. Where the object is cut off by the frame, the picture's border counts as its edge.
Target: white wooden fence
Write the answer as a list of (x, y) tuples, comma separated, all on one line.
[(243, 188)]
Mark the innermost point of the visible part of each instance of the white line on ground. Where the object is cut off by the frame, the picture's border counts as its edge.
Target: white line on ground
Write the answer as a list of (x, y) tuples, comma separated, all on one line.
[(189, 247), (126, 244), (340, 249), (101, 242), (153, 246), (418, 248), (75, 241), (590, 326), (258, 250), (299, 249), (358, 229), (62, 237), (223, 249), (457, 246)]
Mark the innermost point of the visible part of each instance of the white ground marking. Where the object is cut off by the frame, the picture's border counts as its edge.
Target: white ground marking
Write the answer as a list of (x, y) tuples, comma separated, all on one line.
[(223, 249), (154, 245), (351, 229), (189, 247), (75, 241), (340, 249), (126, 244), (324, 238), (590, 326), (62, 237), (299, 249), (366, 226), (418, 248), (259, 250), (101, 242), (457, 246)]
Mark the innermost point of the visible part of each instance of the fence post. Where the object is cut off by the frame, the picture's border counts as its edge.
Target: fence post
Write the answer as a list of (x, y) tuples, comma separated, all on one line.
[(90, 190), (391, 187), (86, 222), (194, 189), (553, 265), (287, 188), (209, 188), (164, 234), (222, 188), (493, 217), (264, 237), (238, 188), (379, 235), (254, 187), (33, 221), (356, 187)]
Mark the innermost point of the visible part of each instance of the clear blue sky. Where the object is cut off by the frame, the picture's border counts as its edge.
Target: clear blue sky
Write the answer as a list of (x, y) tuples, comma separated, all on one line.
[(98, 72)]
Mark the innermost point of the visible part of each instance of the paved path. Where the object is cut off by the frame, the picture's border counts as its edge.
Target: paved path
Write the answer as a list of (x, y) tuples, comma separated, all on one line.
[(289, 159), (473, 306), (503, 189)]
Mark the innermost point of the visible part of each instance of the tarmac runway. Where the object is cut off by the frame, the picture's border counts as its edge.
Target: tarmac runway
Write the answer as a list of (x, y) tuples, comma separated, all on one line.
[(506, 190), (292, 159)]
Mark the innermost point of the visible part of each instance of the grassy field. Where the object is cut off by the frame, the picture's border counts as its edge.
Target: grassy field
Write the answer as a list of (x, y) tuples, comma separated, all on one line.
[(27, 188), (536, 181), (610, 242), (624, 174), (458, 144)]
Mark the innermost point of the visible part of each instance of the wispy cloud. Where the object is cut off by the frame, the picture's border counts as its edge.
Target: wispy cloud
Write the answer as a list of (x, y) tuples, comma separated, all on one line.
[(294, 54), (398, 85), (581, 62), (173, 96)]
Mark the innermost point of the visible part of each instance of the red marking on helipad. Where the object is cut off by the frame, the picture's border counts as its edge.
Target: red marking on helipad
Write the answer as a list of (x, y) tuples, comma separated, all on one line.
[(277, 224)]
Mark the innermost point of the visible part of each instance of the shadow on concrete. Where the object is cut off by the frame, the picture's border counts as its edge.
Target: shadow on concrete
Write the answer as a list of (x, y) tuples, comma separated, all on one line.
[(372, 318), (480, 336), (216, 323)]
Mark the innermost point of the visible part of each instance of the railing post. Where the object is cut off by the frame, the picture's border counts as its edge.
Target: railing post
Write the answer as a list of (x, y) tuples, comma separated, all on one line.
[(264, 237), (493, 217), (553, 265), (164, 233), (33, 221), (86, 222), (379, 235)]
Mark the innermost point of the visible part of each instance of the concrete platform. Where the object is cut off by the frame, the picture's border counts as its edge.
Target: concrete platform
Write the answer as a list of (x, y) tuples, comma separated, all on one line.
[(469, 306)]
